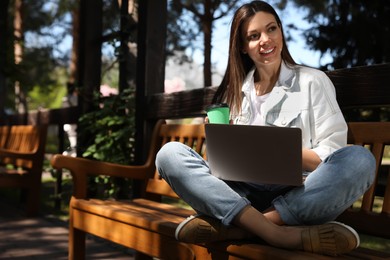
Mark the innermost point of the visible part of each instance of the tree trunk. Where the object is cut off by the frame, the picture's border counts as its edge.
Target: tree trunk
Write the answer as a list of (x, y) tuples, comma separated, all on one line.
[(207, 32), (124, 47), (20, 97), (3, 55), (73, 74)]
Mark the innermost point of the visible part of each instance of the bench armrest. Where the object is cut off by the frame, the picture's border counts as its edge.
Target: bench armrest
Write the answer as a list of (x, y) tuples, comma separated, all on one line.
[(81, 168)]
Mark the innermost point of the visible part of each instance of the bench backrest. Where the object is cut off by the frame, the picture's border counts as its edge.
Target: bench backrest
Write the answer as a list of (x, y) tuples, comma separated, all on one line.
[(22, 139), (375, 136), (4, 131), (373, 215), (192, 135)]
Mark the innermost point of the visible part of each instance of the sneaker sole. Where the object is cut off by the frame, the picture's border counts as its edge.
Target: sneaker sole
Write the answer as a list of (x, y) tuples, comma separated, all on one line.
[(350, 229), (182, 224)]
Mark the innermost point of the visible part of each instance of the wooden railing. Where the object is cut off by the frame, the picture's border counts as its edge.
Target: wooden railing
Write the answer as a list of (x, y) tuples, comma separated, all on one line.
[(58, 116), (366, 86)]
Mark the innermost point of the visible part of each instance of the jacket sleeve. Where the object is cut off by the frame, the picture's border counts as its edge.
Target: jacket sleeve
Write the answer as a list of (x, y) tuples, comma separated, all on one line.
[(328, 127)]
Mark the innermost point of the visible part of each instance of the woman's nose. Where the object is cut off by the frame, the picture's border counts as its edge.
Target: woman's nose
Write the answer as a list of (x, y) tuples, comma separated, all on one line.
[(264, 38)]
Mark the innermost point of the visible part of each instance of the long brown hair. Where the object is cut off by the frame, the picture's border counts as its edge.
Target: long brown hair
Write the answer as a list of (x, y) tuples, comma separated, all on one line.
[(239, 64)]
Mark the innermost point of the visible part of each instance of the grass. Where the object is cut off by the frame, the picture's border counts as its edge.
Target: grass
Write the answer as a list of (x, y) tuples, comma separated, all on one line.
[(56, 206), (371, 242), (375, 243)]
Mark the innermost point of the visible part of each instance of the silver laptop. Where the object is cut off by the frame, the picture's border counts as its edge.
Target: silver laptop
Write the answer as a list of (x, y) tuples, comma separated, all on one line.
[(256, 154)]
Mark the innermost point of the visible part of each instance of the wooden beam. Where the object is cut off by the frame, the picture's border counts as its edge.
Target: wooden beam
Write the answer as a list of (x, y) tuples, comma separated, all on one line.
[(150, 67), (370, 82), (190, 103), (89, 63), (60, 116)]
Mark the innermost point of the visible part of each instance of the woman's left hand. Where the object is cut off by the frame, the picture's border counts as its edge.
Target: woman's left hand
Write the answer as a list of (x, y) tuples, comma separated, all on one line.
[(310, 160)]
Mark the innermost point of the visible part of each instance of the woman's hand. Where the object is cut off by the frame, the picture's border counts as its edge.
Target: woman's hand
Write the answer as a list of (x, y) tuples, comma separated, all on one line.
[(310, 160), (206, 120)]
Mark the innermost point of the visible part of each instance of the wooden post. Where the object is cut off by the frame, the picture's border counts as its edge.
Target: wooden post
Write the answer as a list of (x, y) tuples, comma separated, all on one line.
[(150, 73), (150, 66), (89, 56), (90, 50)]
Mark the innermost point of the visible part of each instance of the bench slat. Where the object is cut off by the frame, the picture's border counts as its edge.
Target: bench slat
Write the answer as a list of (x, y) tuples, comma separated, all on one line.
[(22, 139), (386, 199), (153, 226), (376, 135), (139, 213), (142, 240), (160, 187)]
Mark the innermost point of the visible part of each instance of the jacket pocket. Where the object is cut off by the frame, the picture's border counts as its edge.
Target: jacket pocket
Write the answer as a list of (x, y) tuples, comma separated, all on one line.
[(283, 118)]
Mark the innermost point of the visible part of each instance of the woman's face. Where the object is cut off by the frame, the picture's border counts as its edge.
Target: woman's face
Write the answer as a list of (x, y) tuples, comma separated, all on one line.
[(262, 39)]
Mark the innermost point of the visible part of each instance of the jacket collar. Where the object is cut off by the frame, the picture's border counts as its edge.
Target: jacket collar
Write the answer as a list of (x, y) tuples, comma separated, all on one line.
[(286, 78)]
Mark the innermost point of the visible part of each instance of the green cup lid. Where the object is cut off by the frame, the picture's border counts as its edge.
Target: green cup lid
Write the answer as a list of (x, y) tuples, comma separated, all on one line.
[(217, 105)]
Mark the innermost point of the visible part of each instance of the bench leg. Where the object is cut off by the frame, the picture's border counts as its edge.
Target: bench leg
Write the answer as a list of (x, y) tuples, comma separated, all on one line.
[(76, 243), (33, 200), (141, 256)]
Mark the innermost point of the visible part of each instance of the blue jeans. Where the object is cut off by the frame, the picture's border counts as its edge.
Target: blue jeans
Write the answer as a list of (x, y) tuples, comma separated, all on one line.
[(329, 190)]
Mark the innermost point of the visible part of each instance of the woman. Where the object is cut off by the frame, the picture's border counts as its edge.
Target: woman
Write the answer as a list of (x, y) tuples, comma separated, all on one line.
[(264, 86)]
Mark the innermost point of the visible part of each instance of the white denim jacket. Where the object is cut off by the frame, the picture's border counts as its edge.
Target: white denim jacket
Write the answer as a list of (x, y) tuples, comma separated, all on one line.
[(302, 97)]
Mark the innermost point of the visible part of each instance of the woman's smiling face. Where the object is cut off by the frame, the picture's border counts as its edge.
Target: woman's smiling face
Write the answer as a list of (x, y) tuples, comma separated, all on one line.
[(262, 39)]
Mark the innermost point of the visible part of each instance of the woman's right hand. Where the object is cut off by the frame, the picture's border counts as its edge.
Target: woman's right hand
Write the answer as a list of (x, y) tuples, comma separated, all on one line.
[(206, 120)]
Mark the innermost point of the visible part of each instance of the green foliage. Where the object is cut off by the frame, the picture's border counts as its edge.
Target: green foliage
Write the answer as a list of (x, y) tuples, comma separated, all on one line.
[(50, 99), (109, 132), (373, 114), (110, 72), (43, 37), (111, 128), (49, 94), (354, 33), (186, 20)]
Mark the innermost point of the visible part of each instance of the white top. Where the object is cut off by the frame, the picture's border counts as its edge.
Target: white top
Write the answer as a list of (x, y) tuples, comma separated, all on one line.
[(258, 108)]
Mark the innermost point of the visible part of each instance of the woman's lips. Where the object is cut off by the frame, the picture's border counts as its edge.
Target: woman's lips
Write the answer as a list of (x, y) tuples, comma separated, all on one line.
[(268, 51)]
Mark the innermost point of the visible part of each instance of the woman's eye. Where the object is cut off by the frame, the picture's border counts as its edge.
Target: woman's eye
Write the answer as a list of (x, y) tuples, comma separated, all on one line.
[(272, 29), (253, 37)]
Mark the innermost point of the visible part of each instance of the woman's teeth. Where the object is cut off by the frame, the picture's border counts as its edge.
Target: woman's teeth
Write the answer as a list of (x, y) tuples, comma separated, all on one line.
[(267, 51)]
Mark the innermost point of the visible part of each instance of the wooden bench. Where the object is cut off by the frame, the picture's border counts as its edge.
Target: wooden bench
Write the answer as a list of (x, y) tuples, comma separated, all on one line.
[(22, 149), (147, 224)]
